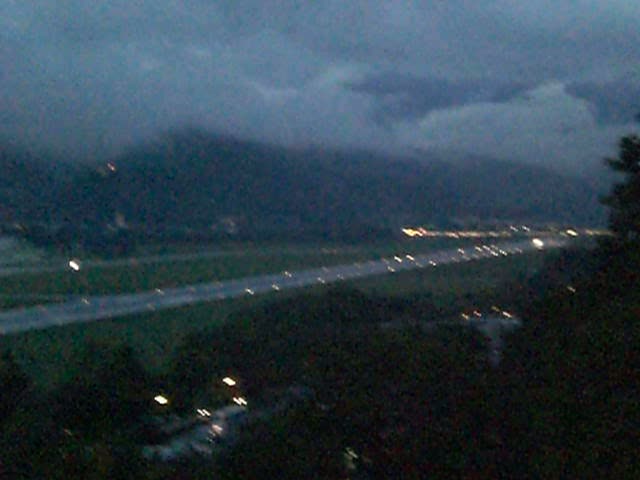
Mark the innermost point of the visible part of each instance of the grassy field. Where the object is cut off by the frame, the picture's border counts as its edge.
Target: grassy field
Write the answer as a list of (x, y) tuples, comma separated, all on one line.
[(49, 355), (449, 282), (24, 289)]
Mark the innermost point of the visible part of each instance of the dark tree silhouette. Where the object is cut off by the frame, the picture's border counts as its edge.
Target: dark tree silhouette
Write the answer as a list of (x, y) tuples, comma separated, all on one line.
[(624, 199), (13, 384)]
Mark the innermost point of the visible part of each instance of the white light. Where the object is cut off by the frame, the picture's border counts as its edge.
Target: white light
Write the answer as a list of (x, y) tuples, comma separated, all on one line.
[(240, 401), (249, 291), (216, 428), (275, 287), (229, 381), (537, 243), (161, 399), (74, 265), (572, 233)]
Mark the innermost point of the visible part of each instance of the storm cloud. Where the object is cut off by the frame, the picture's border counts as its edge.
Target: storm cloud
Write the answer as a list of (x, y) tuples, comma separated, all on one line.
[(542, 81)]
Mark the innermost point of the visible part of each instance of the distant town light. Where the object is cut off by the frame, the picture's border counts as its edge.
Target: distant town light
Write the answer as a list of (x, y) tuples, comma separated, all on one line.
[(229, 381), (537, 243), (161, 399), (240, 401), (216, 428), (571, 232), (74, 265)]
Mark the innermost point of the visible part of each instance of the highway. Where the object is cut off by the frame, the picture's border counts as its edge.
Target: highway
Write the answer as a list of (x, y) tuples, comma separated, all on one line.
[(101, 307)]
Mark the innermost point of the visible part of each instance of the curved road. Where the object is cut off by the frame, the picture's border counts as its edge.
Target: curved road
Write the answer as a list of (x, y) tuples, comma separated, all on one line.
[(109, 306)]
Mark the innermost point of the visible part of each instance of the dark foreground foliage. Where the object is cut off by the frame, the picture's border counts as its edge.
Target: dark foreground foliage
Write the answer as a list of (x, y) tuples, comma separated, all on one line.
[(390, 397)]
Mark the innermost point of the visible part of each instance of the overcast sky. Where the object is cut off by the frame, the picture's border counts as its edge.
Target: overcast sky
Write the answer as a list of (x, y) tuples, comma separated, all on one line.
[(542, 81)]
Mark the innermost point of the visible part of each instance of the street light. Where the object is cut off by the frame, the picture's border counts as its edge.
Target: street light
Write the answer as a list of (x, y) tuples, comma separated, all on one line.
[(161, 399), (229, 381)]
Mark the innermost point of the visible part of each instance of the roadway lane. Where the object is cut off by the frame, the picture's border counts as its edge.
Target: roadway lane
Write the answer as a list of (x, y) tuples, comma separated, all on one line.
[(110, 306)]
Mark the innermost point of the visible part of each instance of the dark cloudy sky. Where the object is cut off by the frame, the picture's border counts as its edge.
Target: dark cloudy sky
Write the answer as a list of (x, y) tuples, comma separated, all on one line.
[(548, 81)]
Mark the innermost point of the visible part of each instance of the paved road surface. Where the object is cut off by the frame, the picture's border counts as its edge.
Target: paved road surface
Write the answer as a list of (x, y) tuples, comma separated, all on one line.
[(109, 306)]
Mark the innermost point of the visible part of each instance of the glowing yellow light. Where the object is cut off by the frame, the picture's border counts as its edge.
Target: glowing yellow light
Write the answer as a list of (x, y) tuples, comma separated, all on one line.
[(410, 232), (161, 399), (229, 381), (74, 265)]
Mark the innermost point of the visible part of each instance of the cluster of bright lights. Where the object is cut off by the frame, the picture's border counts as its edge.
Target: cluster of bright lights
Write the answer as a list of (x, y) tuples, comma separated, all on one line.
[(423, 232), (477, 314)]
